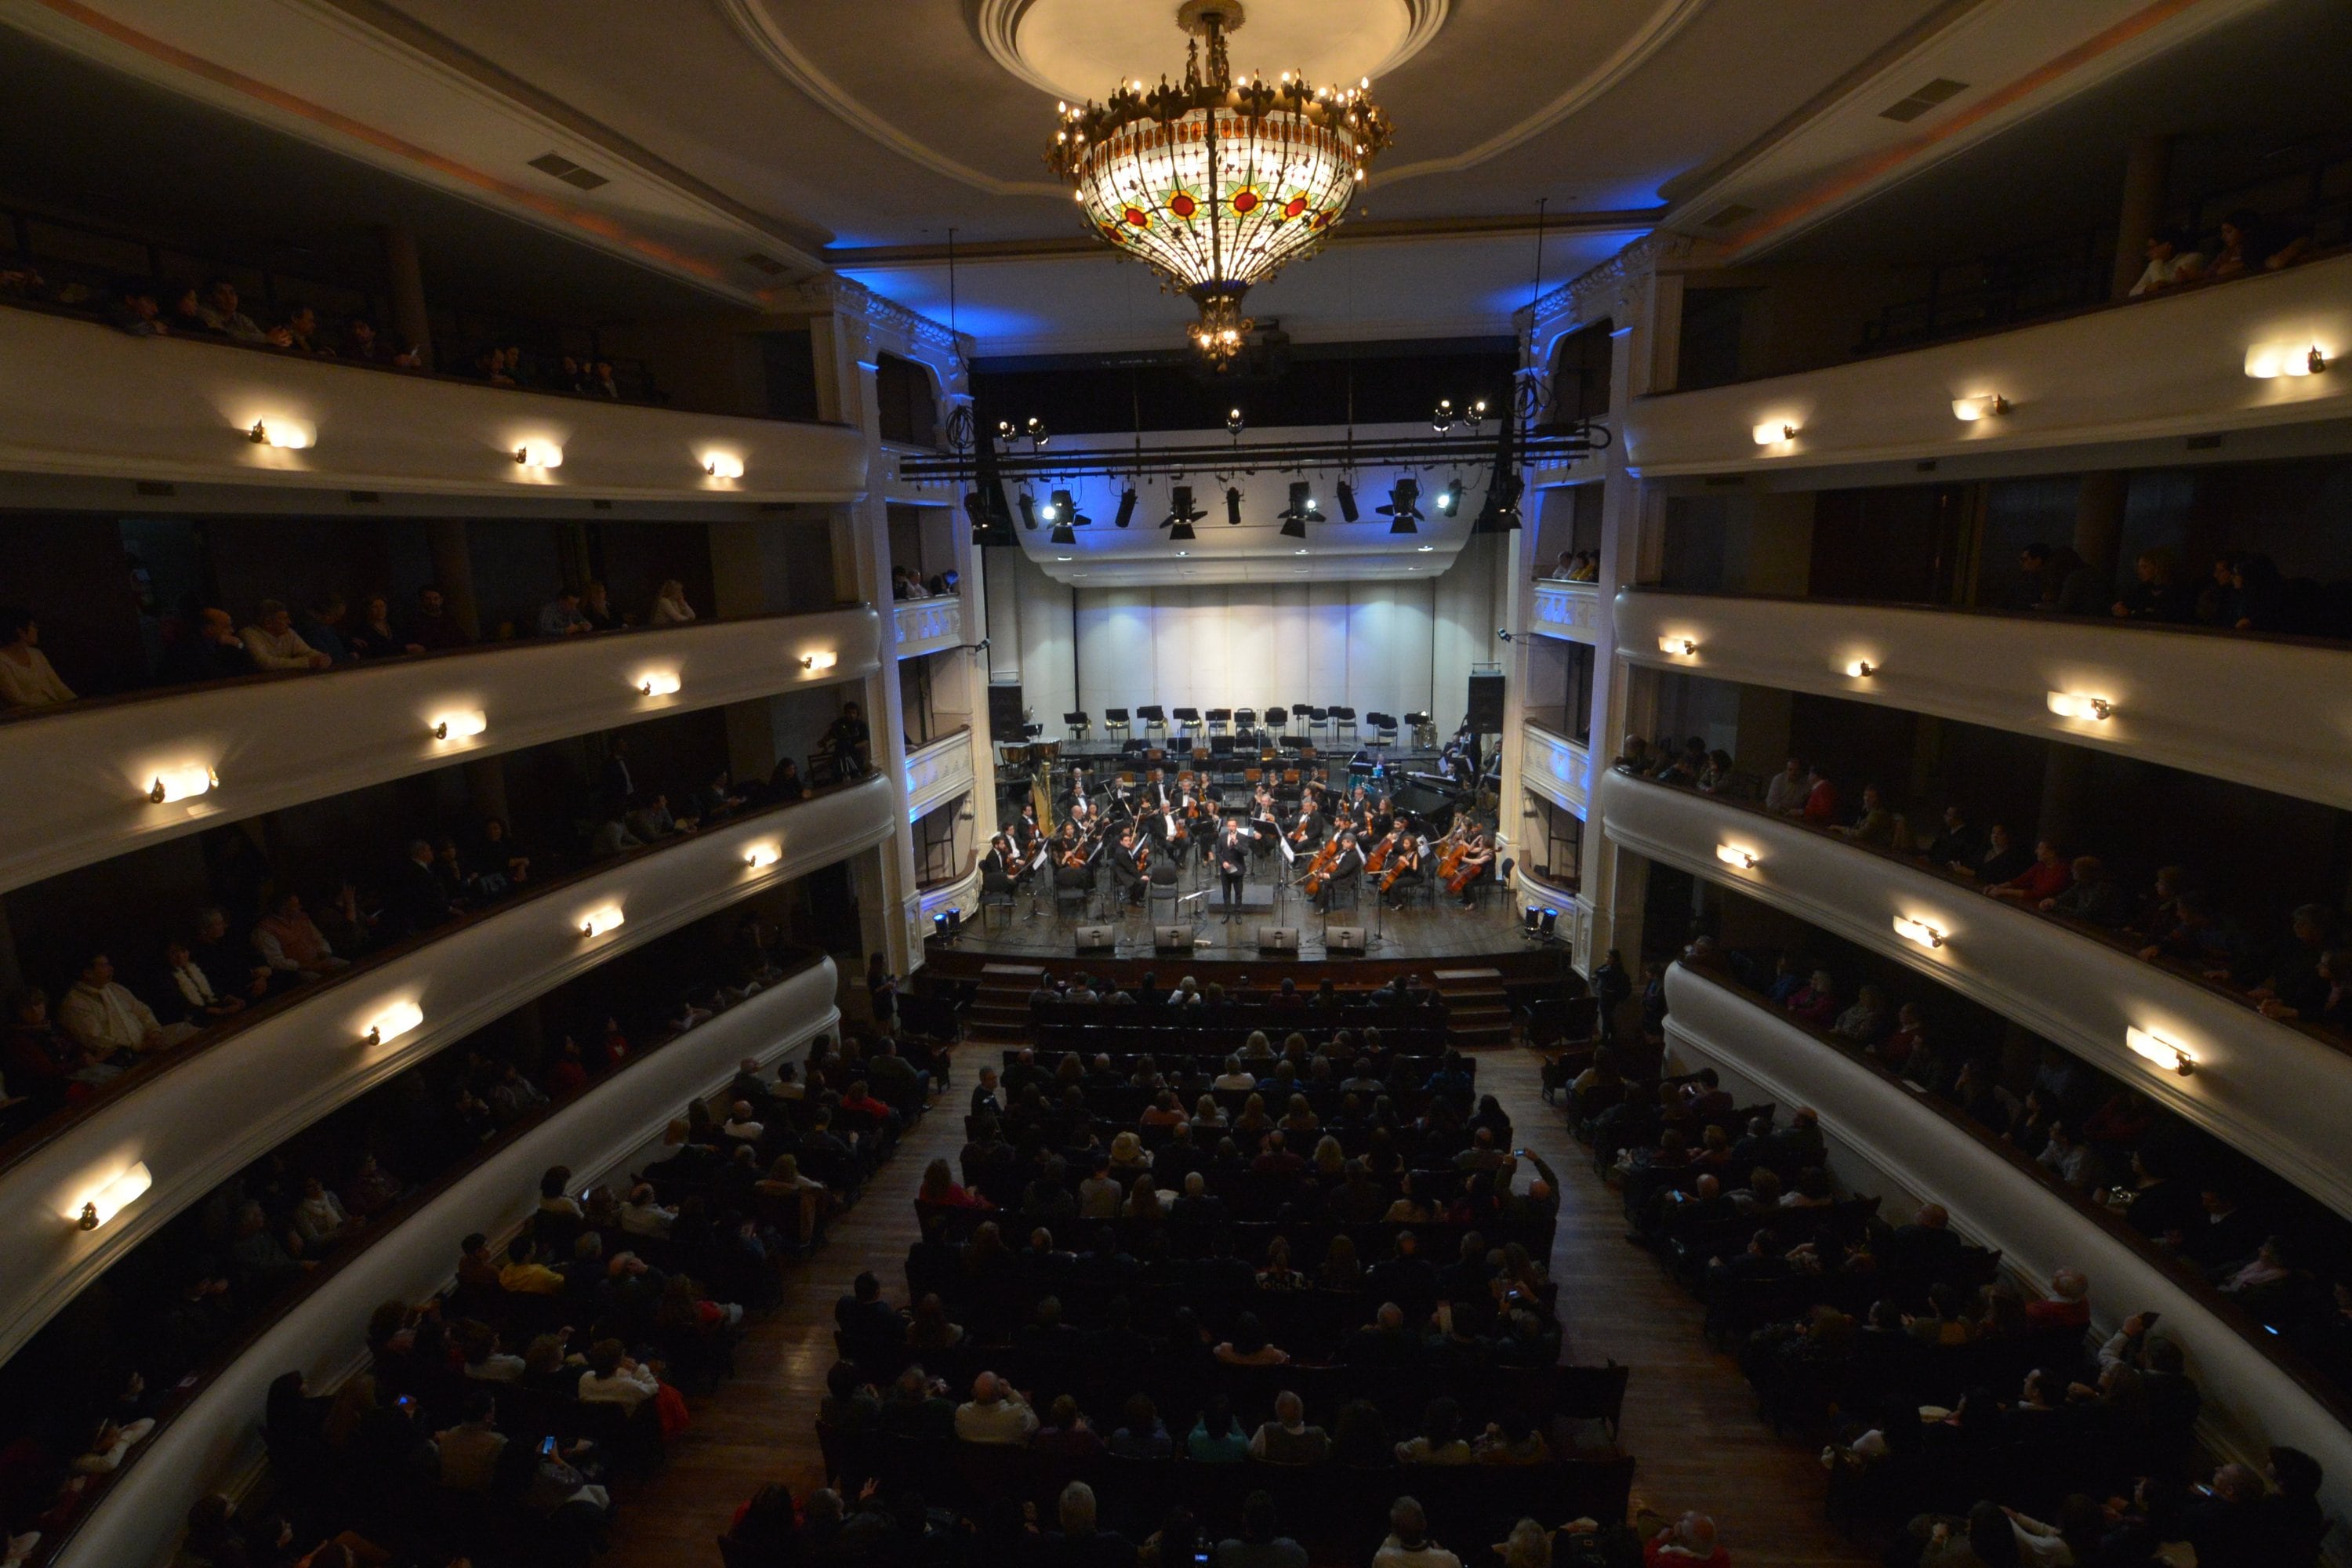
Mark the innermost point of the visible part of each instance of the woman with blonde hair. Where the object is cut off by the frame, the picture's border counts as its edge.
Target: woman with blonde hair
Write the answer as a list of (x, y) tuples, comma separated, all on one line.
[(1127, 1153), (670, 608), (1207, 1115), (1331, 1160), (1254, 1118), (1299, 1117)]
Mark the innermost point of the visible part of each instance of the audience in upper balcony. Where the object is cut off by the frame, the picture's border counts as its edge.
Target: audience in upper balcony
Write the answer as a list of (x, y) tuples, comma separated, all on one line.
[(2156, 592), (274, 644), (26, 677), (2055, 579), (2173, 260), (2253, 243)]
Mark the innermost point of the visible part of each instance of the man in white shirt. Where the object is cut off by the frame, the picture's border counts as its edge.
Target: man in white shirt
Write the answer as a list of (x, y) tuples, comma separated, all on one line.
[(275, 644), (104, 1018), (643, 1215), (2170, 262), (741, 1125), (1408, 1545), (616, 1378), (995, 1414), (1234, 1077), (1785, 796)]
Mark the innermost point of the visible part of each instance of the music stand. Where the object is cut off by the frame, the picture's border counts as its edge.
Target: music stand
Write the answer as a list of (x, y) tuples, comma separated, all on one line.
[(1200, 919)]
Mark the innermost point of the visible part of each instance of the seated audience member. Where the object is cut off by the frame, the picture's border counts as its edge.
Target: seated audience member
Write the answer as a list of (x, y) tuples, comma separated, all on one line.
[(275, 644), (1408, 1545), (1874, 826), (219, 308), (44, 1064), (996, 1412), (1287, 1439), (561, 616), (2172, 260), (188, 994), (1260, 1544), (26, 677), (2093, 896), (2156, 592), (615, 1377), (1439, 1440), (210, 650), (2251, 243), (2049, 875), (434, 626), (292, 944), (105, 1019), (1216, 1439), (322, 625), (670, 606), (596, 605)]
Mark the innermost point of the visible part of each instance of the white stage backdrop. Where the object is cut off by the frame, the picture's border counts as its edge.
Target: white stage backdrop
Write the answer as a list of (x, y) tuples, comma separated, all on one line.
[(1368, 646)]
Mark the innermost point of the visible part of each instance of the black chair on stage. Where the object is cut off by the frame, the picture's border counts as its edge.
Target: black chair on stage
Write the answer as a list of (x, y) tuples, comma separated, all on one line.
[(1221, 720), (1188, 719), (1245, 723), (1343, 724), (1078, 725), (1115, 722), (1318, 720), (1154, 717), (1277, 721), (1384, 728)]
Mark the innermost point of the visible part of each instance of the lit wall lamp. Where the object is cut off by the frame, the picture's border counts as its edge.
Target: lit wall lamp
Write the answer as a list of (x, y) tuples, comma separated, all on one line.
[(1987, 406), (1773, 432), (459, 725), (281, 433), (1680, 647), (1732, 855), (106, 1201), (183, 783), (391, 1023), (1919, 931), (596, 922), (2164, 1053), (2081, 705), (722, 465), (2267, 361), (828, 658), (539, 455), (658, 683), (760, 856), (1861, 669)]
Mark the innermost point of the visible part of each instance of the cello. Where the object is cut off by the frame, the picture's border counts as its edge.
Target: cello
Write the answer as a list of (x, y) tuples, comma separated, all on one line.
[(1466, 871), (1456, 846), (1318, 870)]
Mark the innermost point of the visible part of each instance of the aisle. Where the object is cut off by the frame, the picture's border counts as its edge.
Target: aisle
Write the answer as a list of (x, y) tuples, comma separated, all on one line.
[(761, 1425), (1689, 1418)]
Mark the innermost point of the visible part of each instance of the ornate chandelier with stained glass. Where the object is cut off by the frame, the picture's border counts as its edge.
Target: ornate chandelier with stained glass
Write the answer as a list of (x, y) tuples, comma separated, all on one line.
[(1217, 183)]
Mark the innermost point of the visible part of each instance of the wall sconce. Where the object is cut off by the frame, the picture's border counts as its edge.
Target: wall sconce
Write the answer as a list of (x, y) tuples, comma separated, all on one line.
[(183, 783), (722, 465), (1732, 855), (659, 683), (1989, 405), (2162, 1052), (1919, 931), (760, 856), (111, 1199), (828, 659), (539, 455), (1679, 648), (280, 433), (1861, 669), (2081, 705), (391, 1023), (461, 724), (2266, 362), (1773, 432), (596, 922)]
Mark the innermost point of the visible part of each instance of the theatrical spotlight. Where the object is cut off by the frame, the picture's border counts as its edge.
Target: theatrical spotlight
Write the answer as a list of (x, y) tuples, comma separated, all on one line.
[(1061, 534), (1028, 511), (1051, 512), (1181, 513), (1347, 501), (1126, 507), (1501, 513), (1065, 511), (1302, 506), (1449, 496), (1233, 506), (1403, 506)]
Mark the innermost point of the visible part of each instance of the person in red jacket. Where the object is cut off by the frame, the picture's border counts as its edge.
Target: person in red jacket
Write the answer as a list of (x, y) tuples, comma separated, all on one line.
[(1688, 1543), (1821, 798), (2050, 875)]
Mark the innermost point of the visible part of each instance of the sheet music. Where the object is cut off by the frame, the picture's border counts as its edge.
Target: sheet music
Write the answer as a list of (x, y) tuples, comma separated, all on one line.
[(1289, 856)]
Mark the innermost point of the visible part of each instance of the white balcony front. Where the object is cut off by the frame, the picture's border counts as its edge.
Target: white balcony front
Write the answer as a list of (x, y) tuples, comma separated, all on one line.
[(82, 399), (1558, 769), (195, 1122), (611, 1130), (2118, 386), (81, 779), (926, 626), (1887, 1139), (2271, 713), (1568, 610), (937, 773), (2270, 1091)]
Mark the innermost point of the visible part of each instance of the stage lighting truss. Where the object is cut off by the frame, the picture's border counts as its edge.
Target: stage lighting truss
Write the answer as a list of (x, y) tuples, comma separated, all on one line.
[(1544, 446)]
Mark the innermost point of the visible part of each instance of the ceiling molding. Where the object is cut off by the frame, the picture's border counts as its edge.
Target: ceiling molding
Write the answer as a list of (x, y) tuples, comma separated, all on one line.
[(1670, 18), (751, 19), (996, 26)]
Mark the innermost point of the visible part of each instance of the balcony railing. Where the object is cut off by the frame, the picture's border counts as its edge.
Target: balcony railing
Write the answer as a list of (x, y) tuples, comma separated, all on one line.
[(84, 399), (926, 626), (1570, 610), (2266, 1088), (2263, 1390), (81, 775), (2226, 705), (206, 1429), (2151, 372), (937, 773), (1558, 769), (194, 1114)]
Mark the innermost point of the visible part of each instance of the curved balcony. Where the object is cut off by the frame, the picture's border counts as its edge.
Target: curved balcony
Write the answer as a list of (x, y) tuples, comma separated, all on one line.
[(84, 399), (2256, 1393), (2113, 387), (80, 776), (205, 1110), (2257, 710), (1564, 609), (937, 773), (209, 1432), (2268, 1089), (926, 626), (1558, 769)]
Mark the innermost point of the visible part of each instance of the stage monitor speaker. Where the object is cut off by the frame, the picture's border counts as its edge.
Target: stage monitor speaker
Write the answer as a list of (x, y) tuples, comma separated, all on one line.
[(1277, 938), (1098, 938), (1171, 939), (1344, 939), (1486, 704), (1004, 710)]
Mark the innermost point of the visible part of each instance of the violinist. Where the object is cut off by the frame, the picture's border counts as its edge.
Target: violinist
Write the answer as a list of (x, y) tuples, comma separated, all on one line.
[(1306, 833), (1157, 797), (1082, 814), (1026, 833), (1129, 868), (1347, 862), (1070, 852), (1478, 861), (1002, 868)]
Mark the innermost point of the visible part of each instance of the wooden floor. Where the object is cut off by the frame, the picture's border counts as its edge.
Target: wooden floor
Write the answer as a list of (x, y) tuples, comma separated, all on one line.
[(1688, 1417)]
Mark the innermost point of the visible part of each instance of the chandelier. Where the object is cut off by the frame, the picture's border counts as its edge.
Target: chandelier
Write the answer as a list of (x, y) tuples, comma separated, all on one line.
[(1217, 185)]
